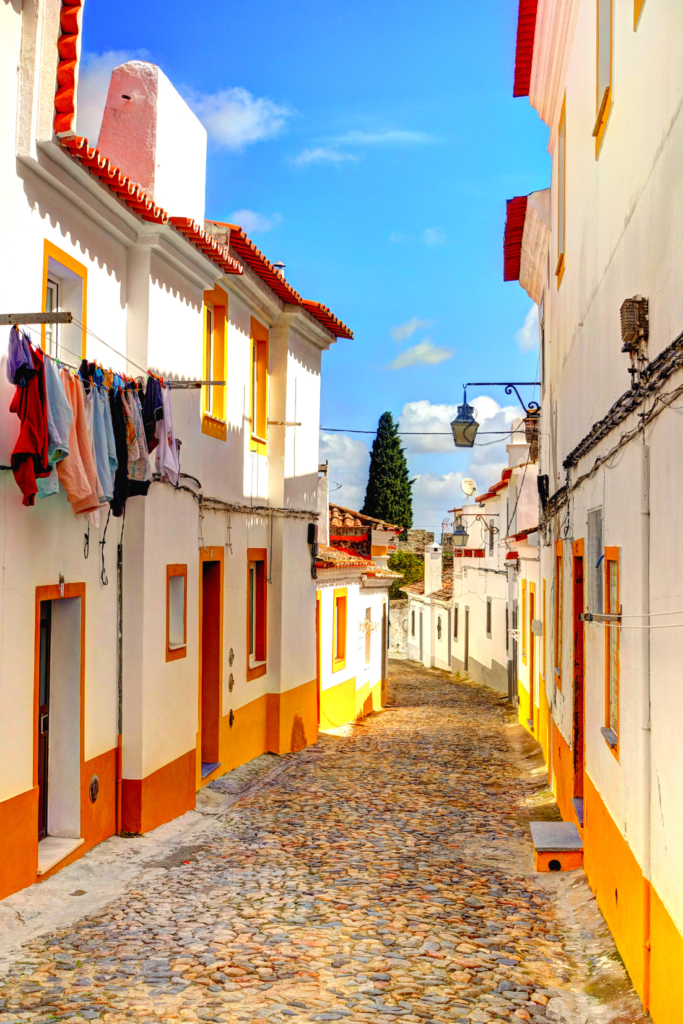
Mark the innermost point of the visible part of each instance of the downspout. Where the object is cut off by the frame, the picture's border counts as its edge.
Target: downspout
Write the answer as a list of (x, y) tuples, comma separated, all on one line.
[(647, 719), (119, 677)]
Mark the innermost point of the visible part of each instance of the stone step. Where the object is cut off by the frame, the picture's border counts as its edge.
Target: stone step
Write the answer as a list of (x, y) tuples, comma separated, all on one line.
[(557, 846)]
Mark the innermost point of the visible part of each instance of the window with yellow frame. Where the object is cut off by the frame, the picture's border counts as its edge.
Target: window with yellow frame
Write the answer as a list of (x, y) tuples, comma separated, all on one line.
[(603, 87), (215, 363), (258, 414), (65, 290), (561, 191), (524, 621), (339, 629)]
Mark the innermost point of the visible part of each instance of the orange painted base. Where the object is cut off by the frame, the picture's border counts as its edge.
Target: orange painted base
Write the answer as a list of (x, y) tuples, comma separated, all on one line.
[(666, 977), (569, 860), (563, 777), (163, 795), (19, 832)]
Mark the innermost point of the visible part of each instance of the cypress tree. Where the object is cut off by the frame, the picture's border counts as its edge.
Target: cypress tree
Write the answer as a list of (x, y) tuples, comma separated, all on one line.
[(389, 494)]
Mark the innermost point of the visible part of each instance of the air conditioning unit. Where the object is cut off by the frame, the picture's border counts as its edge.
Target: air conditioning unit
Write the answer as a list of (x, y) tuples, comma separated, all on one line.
[(634, 324)]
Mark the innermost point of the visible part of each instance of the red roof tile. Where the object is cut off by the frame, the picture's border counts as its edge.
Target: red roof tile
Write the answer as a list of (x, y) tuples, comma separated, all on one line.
[(512, 240), (524, 54)]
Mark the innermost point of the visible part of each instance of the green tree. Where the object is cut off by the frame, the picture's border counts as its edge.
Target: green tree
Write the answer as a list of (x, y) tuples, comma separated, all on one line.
[(412, 567), (389, 494)]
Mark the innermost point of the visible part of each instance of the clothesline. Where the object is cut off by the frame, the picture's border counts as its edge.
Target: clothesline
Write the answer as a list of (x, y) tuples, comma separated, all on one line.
[(106, 343)]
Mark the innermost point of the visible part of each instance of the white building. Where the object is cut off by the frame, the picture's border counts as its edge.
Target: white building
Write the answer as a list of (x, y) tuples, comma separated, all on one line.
[(140, 663), (605, 267)]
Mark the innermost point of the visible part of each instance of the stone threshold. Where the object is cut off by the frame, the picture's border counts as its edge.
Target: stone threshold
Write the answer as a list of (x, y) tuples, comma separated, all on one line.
[(54, 849)]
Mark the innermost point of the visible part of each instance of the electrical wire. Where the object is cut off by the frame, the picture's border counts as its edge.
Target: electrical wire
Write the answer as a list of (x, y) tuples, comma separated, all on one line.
[(417, 433)]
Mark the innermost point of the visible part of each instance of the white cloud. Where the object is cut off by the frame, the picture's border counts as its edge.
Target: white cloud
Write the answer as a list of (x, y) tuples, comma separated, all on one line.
[(527, 335), (382, 138), (234, 118), (425, 352), (434, 236), (93, 87), (321, 155), (421, 418), (254, 222), (407, 329), (349, 463), (433, 496)]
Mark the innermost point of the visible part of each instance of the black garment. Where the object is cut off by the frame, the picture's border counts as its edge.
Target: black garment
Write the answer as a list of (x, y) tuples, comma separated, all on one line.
[(121, 481), (152, 411)]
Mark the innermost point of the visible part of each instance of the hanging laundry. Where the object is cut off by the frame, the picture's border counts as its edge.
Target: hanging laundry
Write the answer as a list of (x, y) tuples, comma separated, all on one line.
[(20, 367), (152, 411), (121, 475), (168, 466), (99, 442), (59, 418), (139, 468), (91, 501), (112, 457), (30, 455), (70, 470)]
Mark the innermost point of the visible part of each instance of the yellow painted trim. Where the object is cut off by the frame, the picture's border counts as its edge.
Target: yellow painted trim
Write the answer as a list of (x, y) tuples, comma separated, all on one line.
[(603, 104), (340, 593), (214, 420), (260, 351), (637, 11), (524, 622), (51, 251)]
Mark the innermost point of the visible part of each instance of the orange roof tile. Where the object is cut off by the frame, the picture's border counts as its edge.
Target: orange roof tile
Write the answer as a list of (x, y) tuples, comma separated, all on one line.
[(341, 516)]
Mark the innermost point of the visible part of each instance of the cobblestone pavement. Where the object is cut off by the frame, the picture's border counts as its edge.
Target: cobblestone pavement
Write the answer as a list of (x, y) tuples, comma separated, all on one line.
[(384, 873)]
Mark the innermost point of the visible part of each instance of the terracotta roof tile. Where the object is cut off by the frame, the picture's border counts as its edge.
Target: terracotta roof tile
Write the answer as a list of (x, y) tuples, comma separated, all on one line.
[(512, 239), (524, 52), (341, 516)]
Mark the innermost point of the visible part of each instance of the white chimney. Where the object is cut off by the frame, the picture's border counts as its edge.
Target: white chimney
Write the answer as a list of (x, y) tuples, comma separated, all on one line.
[(433, 563), (150, 133), (324, 504)]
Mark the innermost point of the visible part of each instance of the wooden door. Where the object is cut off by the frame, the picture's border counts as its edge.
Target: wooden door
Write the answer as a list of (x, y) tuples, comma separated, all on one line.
[(44, 714), (385, 647), (467, 640), (211, 668), (579, 696)]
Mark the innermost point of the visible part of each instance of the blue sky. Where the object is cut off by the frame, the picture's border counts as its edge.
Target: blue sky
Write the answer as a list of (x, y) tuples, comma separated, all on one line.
[(370, 146)]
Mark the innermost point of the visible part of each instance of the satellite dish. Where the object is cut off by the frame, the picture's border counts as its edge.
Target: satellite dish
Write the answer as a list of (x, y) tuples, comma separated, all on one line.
[(468, 486)]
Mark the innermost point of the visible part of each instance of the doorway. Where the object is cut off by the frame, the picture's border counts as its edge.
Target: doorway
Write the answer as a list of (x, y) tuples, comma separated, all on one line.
[(578, 680), (58, 724), (385, 653), (211, 665), (318, 674), (421, 626), (466, 661), (514, 664), (532, 657)]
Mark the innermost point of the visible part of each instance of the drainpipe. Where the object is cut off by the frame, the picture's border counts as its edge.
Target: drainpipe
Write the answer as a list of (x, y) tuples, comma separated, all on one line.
[(119, 678), (646, 713)]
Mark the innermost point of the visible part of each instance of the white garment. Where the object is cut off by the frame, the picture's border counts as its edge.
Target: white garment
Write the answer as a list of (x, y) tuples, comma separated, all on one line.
[(168, 466)]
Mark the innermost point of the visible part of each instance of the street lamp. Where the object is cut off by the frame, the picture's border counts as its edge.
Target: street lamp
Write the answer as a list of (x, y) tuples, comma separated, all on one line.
[(464, 426), (460, 535)]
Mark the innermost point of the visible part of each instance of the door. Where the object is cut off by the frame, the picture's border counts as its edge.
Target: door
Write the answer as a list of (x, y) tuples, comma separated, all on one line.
[(579, 699), (532, 659), (514, 667), (317, 651), (421, 623), (450, 638), (467, 640), (211, 666), (385, 647), (44, 714)]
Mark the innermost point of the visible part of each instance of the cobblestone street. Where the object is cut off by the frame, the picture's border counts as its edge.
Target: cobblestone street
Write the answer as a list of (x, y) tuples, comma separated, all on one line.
[(384, 873)]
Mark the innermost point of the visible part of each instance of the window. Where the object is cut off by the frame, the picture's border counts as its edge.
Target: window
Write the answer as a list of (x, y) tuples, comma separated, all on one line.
[(259, 387), (603, 96), (489, 615), (368, 636), (438, 627), (339, 630), (64, 291), (595, 558), (176, 612), (256, 612), (490, 536), (541, 330), (559, 584), (455, 622), (561, 191), (412, 622), (524, 621), (215, 364), (611, 730)]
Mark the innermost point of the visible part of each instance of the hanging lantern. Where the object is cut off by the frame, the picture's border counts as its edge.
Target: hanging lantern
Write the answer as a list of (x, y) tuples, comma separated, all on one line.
[(460, 536), (464, 426)]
